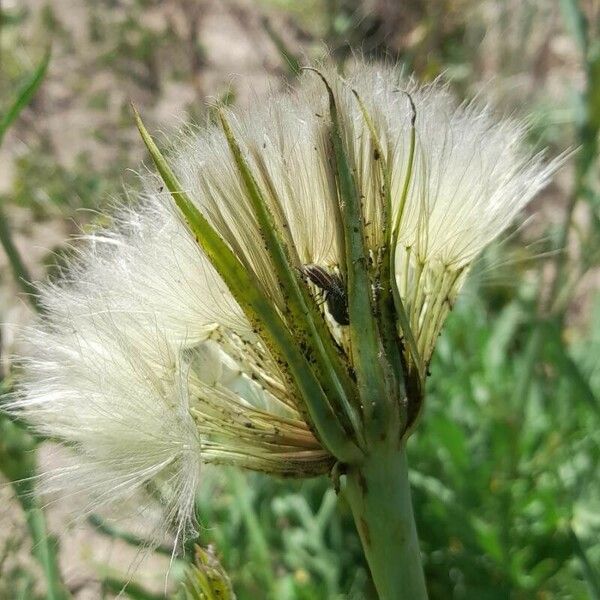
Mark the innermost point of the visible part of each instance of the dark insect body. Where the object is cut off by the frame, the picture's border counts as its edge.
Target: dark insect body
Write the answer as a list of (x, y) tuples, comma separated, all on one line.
[(334, 292)]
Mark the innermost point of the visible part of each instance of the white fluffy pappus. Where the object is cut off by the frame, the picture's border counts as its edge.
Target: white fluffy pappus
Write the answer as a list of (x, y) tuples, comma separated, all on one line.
[(144, 363)]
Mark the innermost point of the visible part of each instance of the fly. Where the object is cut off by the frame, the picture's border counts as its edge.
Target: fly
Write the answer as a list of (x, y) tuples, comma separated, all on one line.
[(334, 292)]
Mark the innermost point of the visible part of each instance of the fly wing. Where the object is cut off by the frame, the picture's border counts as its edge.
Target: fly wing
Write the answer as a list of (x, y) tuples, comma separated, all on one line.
[(320, 276), (333, 288)]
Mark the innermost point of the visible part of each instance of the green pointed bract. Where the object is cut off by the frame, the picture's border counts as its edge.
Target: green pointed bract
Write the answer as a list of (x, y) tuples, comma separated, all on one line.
[(403, 321), (259, 309), (305, 320), (384, 280), (374, 375)]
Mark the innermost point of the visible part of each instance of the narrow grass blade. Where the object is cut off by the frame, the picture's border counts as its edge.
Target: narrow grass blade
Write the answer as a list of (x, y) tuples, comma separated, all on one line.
[(19, 270), (24, 95), (109, 530), (18, 464), (289, 59)]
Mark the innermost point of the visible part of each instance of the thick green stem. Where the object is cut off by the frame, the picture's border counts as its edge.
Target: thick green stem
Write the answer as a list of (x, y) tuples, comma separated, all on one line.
[(379, 495)]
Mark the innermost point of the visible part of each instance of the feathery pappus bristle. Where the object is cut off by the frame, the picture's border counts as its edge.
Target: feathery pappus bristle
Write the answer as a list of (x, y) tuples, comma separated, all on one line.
[(145, 364)]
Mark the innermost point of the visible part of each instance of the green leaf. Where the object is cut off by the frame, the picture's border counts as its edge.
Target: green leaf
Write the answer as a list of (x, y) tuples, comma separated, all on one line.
[(502, 334), (452, 439), (590, 573), (570, 370), (488, 538)]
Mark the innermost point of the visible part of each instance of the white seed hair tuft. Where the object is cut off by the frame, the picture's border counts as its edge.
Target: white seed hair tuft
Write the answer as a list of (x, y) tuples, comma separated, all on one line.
[(143, 362)]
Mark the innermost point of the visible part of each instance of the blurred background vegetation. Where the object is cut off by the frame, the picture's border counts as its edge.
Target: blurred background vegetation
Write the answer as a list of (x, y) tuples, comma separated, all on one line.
[(505, 464)]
